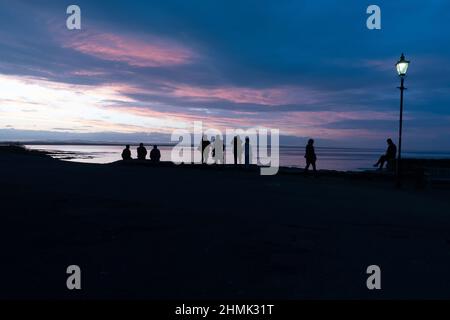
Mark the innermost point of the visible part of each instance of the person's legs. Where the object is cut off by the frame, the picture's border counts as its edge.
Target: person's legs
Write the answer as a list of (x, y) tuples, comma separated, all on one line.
[(205, 155), (307, 165), (380, 162), (314, 166)]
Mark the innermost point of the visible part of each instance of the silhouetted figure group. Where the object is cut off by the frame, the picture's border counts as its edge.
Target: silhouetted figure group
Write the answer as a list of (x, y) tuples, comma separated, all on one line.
[(217, 148), (390, 155), (155, 154)]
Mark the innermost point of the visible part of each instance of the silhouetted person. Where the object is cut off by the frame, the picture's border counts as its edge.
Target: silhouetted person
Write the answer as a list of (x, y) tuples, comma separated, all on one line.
[(141, 152), (155, 154), (237, 150), (213, 144), (126, 153), (218, 150), (390, 154), (310, 155), (206, 145), (248, 151)]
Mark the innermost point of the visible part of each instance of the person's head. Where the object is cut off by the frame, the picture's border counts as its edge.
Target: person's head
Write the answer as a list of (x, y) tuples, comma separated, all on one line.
[(155, 147), (141, 144), (127, 146), (310, 142), (218, 137), (389, 141)]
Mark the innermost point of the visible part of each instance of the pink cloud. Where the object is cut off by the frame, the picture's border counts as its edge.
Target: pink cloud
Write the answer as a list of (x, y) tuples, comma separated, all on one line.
[(298, 123), (265, 96), (88, 73), (154, 52)]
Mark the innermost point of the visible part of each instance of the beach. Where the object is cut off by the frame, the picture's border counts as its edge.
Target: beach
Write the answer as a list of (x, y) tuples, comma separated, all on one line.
[(329, 158), (139, 231)]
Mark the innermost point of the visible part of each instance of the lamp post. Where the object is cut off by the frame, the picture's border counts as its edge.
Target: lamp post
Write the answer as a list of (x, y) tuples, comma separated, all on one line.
[(402, 68)]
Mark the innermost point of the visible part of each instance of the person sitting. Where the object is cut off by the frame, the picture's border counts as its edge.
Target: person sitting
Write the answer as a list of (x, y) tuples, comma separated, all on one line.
[(126, 153), (390, 154), (310, 156), (155, 154), (141, 152)]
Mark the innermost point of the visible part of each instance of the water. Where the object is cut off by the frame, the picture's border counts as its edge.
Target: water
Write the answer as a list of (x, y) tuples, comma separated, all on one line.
[(343, 159)]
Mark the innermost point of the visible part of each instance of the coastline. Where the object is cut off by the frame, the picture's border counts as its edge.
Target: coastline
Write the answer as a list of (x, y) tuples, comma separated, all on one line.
[(416, 170)]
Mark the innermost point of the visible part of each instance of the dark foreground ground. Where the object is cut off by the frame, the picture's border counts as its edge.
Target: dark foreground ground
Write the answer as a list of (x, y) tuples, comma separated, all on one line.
[(187, 233)]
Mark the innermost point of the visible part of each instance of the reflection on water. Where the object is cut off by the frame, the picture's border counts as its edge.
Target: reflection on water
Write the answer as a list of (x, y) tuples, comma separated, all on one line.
[(328, 158)]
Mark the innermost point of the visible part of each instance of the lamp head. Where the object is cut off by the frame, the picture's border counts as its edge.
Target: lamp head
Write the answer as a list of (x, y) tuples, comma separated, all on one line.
[(402, 66)]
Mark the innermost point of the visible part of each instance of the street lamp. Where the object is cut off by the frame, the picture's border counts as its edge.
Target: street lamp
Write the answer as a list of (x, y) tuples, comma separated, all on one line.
[(402, 68)]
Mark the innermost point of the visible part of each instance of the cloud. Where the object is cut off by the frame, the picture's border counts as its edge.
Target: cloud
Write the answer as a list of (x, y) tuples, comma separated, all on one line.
[(309, 69), (153, 52), (264, 96), (81, 107)]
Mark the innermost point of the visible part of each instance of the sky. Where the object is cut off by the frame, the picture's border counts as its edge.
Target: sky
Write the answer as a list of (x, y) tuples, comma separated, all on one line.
[(141, 69)]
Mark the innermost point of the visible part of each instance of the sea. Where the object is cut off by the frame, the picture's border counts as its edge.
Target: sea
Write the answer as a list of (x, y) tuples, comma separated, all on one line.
[(342, 159)]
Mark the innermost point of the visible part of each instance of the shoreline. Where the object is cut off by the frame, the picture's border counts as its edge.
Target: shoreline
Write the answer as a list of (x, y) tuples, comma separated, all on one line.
[(413, 168), (166, 144)]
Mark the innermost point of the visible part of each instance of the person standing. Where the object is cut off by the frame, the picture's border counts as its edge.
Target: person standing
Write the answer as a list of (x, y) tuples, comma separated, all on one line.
[(206, 145), (218, 150), (310, 156), (248, 152), (237, 150)]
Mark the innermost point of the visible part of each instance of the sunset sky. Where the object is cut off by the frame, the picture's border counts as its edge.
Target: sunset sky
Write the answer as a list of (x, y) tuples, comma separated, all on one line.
[(308, 68)]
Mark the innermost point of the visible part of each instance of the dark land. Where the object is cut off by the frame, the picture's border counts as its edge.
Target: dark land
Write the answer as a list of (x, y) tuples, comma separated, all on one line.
[(185, 232)]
